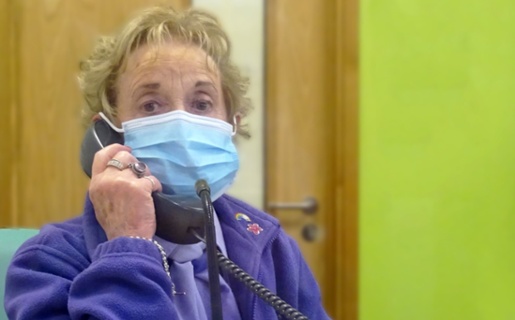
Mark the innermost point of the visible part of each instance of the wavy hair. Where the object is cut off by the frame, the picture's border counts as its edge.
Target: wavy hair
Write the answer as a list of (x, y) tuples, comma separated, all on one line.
[(99, 72)]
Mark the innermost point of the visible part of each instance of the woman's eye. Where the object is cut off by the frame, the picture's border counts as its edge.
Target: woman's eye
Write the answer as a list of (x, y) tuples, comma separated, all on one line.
[(150, 107), (202, 105)]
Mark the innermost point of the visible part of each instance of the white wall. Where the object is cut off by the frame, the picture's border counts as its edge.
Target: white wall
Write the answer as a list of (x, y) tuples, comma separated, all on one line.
[(244, 22)]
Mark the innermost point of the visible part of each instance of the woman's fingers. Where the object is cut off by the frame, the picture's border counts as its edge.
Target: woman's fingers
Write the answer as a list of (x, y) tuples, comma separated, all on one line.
[(115, 158), (121, 193), (103, 156), (152, 183)]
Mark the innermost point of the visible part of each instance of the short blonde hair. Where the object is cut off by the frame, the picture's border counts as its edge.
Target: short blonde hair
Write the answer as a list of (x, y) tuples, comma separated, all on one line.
[(100, 71)]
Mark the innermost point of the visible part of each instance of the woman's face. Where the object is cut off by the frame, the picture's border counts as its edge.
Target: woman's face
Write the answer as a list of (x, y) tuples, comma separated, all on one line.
[(173, 76)]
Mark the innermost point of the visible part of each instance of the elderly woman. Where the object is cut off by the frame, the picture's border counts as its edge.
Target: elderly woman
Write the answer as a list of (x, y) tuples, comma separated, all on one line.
[(167, 83)]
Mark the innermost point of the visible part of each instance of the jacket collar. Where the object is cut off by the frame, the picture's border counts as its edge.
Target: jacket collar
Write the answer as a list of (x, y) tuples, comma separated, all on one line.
[(246, 247)]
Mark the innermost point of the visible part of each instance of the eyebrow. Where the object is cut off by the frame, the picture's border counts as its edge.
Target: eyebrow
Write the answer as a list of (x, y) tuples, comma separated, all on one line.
[(205, 83), (147, 86), (157, 85)]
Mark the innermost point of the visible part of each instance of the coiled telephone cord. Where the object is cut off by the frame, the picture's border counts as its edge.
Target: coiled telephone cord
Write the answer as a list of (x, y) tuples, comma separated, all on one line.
[(281, 306)]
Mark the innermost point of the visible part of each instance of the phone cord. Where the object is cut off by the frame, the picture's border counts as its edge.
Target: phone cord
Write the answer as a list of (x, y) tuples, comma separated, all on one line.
[(281, 306)]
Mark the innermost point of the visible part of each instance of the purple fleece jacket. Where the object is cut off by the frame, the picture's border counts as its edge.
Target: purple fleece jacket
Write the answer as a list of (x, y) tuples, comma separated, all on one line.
[(70, 271)]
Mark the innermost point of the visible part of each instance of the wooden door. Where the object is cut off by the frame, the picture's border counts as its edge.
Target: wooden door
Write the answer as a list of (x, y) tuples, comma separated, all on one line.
[(311, 137), (42, 43)]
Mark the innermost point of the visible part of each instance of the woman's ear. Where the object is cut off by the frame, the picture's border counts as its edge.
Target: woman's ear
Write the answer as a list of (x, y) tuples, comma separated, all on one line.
[(95, 117), (237, 119)]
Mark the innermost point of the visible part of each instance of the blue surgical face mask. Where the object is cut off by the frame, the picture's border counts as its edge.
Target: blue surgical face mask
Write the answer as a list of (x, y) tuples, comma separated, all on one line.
[(180, 148)]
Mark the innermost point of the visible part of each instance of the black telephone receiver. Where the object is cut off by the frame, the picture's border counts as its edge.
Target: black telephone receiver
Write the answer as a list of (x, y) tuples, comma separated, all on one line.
[(175, 220)]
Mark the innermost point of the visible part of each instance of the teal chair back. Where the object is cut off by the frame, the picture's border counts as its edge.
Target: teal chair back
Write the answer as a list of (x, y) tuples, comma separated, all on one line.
[(10, 241)]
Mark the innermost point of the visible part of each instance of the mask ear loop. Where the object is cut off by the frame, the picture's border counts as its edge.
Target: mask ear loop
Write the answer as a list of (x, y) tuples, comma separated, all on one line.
[(106, 119), (234, 126)]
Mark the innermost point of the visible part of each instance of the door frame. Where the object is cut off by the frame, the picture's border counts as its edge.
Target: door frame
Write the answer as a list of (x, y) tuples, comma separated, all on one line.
[(347, 158), (341, 251)]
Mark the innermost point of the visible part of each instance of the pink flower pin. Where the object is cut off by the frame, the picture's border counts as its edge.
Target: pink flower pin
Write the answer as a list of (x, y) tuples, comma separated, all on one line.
[(254, 228)]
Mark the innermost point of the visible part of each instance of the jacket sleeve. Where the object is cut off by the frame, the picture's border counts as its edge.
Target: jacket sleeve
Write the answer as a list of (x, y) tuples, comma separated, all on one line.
[(124, 280), (294, 281)]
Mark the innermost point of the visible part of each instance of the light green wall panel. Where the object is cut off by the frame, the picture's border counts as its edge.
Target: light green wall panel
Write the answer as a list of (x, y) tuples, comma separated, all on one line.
[(437, 166)]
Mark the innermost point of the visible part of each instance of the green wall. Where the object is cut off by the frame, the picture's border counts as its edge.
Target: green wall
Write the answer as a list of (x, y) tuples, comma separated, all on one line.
[(437, 167)]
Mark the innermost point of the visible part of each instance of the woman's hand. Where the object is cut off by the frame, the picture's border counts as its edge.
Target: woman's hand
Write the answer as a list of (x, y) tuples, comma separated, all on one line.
[(122, 201)]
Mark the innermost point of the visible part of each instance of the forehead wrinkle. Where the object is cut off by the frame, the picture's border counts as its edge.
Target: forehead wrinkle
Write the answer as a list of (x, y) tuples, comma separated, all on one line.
[(143, 78), (181, 62)]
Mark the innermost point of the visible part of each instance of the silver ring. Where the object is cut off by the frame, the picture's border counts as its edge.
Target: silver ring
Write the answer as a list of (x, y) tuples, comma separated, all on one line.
[(151, 180), (138, 168), (116, 163)]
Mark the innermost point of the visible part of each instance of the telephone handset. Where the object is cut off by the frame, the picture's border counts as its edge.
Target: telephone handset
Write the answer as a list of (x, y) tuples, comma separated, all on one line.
[(175, 219)]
